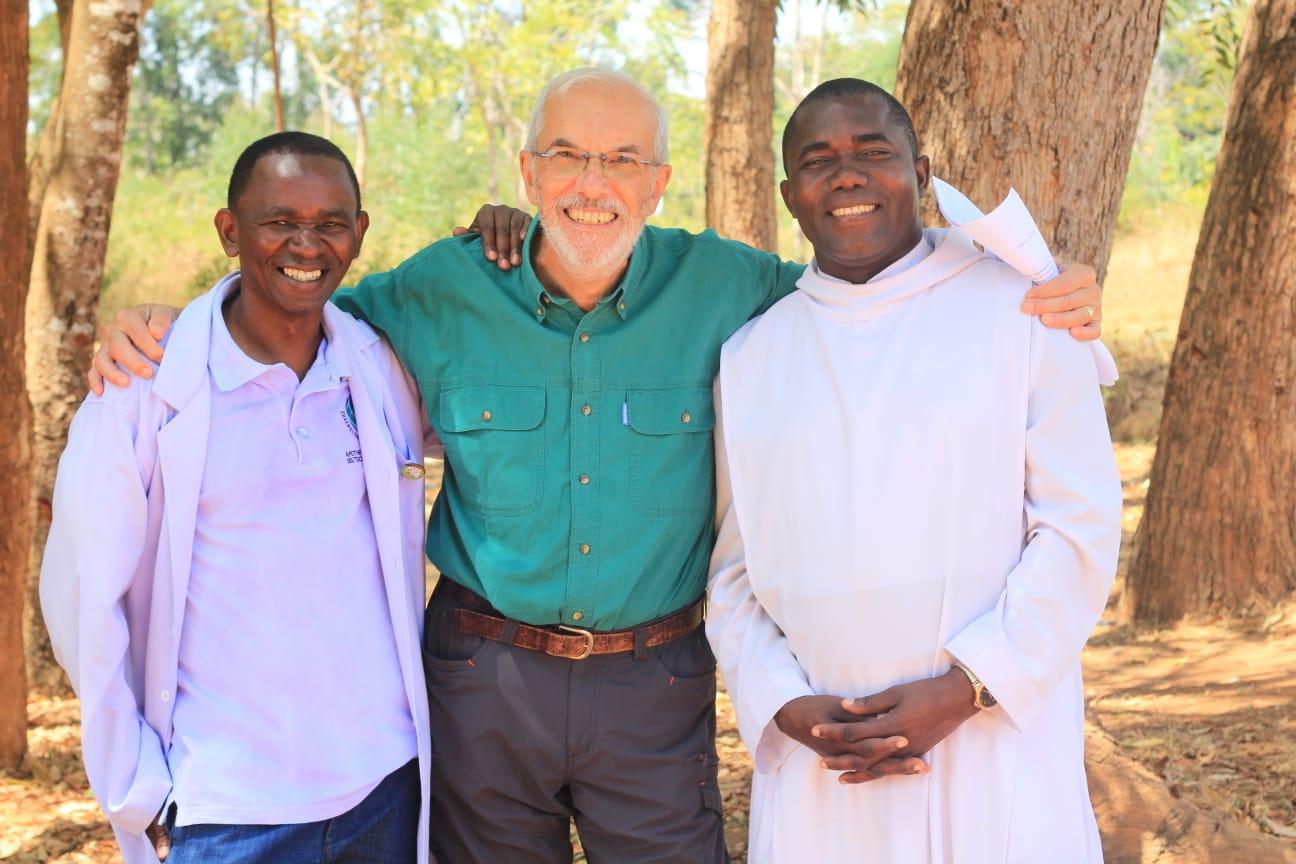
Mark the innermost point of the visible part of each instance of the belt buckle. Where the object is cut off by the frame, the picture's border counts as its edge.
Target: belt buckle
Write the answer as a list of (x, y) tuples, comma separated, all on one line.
[(589, 640)]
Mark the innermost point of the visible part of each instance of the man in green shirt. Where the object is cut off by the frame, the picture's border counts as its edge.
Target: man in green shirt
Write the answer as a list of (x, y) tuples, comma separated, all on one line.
[(569, 676)]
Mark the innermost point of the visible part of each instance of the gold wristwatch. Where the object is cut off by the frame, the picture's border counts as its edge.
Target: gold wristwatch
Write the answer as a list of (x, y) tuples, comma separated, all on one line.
[(981, 696)]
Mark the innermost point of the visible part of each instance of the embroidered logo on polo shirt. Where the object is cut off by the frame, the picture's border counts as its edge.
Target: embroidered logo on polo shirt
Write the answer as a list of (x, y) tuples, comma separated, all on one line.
[(349, 419)]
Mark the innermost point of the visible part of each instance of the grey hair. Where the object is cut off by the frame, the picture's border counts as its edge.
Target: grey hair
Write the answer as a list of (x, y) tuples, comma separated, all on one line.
[(560, 84)]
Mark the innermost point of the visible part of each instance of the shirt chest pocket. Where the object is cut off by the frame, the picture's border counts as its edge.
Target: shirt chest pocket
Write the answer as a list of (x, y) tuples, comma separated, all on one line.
[(494, 445), (672, 464)]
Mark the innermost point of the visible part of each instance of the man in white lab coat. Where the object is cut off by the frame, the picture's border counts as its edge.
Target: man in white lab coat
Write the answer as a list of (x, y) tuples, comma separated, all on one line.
[(919, 516), (234, 575)]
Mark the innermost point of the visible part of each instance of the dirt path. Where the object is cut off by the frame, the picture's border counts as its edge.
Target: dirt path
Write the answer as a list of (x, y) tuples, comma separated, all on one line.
[(1209, 707)]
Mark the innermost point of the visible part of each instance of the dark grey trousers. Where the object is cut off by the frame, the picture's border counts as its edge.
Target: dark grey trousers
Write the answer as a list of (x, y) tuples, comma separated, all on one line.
[(523, 743)]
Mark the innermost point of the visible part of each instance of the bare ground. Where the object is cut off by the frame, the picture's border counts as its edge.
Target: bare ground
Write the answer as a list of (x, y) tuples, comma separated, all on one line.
[(1208, 706)]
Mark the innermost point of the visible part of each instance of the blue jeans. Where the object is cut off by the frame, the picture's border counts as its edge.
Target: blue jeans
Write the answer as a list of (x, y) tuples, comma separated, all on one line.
[(381, 829)]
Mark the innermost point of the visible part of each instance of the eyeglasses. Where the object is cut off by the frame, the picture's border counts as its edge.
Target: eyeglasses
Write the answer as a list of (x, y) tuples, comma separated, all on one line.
[(564, 162)]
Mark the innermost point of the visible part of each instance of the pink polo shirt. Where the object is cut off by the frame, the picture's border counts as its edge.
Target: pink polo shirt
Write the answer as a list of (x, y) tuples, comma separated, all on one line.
[(289, 702)]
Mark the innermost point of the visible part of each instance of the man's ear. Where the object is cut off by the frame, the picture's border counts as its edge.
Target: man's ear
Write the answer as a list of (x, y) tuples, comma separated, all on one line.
[(922, 169), (660, 180), (785, 189), (227, 230), (526, 161), (362, 225)]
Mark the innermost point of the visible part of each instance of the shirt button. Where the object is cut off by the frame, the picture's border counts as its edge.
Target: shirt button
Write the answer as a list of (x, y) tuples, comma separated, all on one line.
[(686, 417), (586, 409), (165, 695), (301, 431), (621, 306), (584, 337), (487, 415), (584, 479), (577, 616), (539, 312), (584, 548)]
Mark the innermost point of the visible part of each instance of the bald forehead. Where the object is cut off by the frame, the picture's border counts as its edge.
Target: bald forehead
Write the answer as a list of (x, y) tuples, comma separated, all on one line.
[(599, 115), (591, 95)]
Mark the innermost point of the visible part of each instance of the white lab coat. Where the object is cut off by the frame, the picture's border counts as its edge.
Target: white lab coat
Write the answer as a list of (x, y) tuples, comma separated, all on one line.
[(116, 568), (911, 470)]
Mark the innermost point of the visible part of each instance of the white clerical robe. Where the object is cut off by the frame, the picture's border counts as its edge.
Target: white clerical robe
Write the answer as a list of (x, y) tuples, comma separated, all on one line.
[(912, 470)]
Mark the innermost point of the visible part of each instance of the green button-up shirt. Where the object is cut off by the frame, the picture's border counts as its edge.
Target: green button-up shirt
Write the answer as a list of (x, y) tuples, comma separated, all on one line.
[(579, 481)]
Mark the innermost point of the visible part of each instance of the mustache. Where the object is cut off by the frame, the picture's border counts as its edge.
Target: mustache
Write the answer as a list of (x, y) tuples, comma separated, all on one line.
[(580, 202)]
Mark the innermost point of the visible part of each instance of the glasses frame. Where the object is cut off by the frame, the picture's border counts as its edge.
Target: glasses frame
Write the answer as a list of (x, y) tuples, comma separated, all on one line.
[(551, 153)]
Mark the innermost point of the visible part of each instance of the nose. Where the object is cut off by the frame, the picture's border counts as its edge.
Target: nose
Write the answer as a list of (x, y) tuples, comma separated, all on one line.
[(850, 174), (592, 177), (306, 241)]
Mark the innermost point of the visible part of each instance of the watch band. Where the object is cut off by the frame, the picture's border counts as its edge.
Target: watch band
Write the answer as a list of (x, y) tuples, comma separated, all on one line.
[(982, 698)]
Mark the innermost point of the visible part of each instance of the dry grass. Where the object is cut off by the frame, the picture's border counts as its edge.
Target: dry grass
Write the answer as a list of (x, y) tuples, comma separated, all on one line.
[(1144, 292)]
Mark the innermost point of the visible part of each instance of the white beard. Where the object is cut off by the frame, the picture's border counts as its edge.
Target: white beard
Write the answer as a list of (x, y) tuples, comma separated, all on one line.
[(578, 252)]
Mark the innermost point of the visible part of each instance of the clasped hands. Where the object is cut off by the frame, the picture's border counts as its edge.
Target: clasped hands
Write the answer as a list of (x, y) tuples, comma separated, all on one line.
[(882, 734)]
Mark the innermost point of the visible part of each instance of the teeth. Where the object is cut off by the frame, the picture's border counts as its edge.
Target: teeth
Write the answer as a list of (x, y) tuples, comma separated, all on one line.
[(590, 217), (857, 210), (302, 275)]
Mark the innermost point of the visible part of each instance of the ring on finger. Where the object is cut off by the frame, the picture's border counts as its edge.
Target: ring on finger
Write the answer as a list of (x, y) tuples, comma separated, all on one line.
[(1089, 310)]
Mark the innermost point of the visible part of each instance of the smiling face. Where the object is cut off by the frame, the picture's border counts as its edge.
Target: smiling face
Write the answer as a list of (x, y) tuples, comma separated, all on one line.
[(592, 221), (295, 230), (853, 185)]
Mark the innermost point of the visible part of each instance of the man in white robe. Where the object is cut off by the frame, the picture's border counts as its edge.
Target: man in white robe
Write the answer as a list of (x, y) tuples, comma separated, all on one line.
[(919, 517)]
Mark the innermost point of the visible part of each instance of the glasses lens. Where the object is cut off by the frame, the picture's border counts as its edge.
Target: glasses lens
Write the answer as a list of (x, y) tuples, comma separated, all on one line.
[(567, 163), (622, 166)]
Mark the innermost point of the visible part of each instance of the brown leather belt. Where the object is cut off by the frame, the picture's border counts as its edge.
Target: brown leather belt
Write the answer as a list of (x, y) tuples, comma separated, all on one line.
[(574, 643)]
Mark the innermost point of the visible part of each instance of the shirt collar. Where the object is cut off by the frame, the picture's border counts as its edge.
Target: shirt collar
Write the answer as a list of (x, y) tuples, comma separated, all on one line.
[(231, 368), (920, 251), (623, 295)]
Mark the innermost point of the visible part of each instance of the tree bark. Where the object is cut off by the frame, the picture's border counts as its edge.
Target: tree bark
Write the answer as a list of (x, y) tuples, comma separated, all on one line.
[(1219, 530), (71, 237), (1043, 96), (15, 436), (740, 105)]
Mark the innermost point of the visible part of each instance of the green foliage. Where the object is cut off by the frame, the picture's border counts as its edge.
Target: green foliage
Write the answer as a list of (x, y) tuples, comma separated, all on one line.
[(1185, 108), (45, 72), (446, 88), (184, 82)]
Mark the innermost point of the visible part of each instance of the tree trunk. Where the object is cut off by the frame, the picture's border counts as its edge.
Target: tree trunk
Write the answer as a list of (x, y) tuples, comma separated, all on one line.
[(740, 105), (1044, 96), (1219, 530), (274, 67), (362, 137), (15, 437), (71, 236), (323, 80)]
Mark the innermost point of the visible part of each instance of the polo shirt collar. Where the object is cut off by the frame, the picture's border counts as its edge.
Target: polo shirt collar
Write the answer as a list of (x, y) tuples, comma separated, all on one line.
[(231, 368), (623, 295)]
